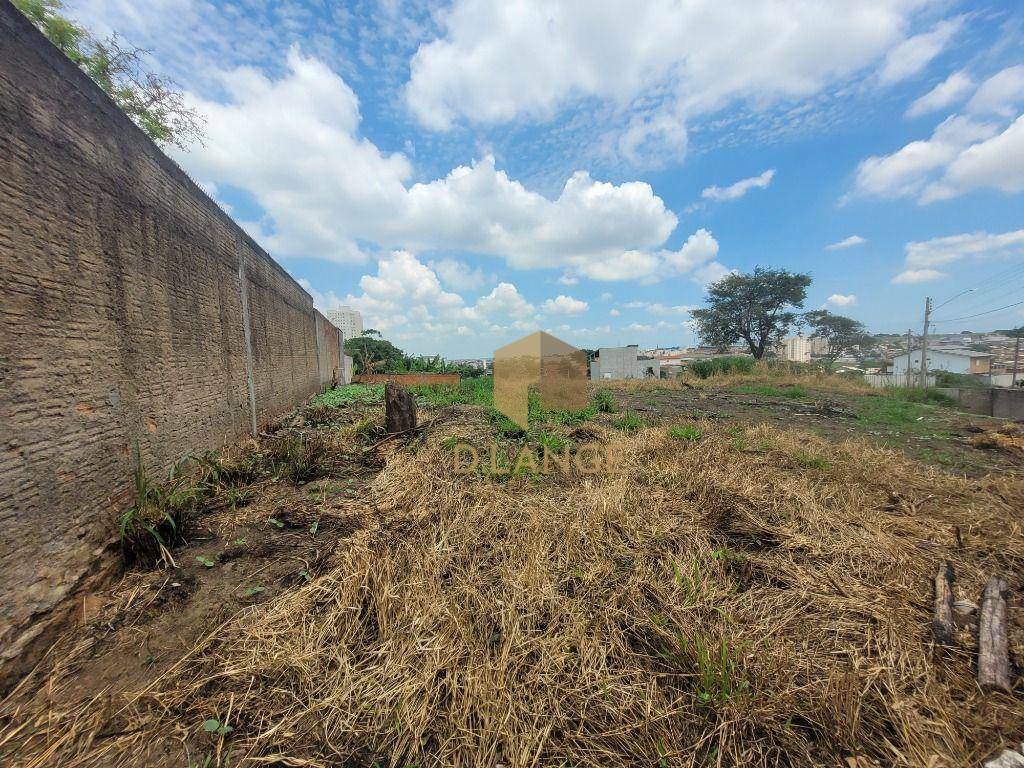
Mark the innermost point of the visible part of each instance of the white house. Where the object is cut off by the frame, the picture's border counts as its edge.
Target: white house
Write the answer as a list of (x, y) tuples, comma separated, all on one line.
[(623, 363), (952, 360)]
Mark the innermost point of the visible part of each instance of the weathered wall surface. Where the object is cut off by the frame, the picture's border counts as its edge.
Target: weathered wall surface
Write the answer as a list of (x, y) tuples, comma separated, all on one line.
[(132, 312), (989, 401)]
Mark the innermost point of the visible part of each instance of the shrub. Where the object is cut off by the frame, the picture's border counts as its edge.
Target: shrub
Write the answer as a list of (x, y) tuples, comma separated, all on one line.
[(604, 401), (719, 366), (929, 395)]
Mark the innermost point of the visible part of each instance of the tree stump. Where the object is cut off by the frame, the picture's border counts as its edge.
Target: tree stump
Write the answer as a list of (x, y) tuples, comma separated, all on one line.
[(399, 409), (942, 621), (993, 645)]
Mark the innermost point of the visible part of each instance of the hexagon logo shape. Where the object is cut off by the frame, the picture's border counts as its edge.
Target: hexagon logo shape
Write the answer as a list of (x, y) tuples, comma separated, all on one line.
[(557, 369)]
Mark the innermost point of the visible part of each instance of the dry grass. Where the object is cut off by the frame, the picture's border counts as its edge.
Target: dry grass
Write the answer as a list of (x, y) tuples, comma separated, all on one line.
[(748, 598), (776, 374), (1009, 438)]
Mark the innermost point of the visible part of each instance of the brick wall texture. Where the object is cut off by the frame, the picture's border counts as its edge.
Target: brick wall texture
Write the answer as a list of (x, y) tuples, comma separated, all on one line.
[(123, 291)]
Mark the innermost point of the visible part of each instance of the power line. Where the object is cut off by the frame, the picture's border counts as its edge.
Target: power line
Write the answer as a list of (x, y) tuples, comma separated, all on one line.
[(988, 284), (968, 317)]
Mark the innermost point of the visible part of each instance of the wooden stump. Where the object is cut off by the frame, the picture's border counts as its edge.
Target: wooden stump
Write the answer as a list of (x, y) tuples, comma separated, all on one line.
[(399, 409), (942, 621), (993, 645)]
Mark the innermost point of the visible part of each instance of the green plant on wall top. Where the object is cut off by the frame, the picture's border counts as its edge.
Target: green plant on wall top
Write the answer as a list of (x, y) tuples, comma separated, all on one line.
[(151, 101)]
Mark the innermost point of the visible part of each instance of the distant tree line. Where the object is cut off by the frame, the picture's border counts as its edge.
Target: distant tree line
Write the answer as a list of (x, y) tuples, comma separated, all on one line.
[(372, 353), (760, 308)]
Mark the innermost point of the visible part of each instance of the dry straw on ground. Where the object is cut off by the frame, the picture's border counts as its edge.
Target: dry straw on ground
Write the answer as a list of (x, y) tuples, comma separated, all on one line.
[(744, 598)]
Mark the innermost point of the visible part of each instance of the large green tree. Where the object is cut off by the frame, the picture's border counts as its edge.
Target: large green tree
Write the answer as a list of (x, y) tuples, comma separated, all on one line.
[(375, 355), (756, 308), (841, 334), (154, 103)]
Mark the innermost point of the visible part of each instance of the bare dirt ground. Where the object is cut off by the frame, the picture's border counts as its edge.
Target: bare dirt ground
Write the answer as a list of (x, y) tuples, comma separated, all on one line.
[(753, 590), (939, 436)]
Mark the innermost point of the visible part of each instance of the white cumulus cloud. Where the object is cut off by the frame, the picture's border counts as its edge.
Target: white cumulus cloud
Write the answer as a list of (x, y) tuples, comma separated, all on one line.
[(459, 275), (740, 188), (1001, 94), (906, 172), (980, 245), (839, 300), (996, 163), (293, 142), (924, 257), (495, 61), (909, 276), (914, 54), (948, 92), (564, 305), (848, 242)]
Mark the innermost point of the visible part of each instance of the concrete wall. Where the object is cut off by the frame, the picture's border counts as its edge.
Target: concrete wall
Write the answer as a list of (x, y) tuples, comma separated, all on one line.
[(1000, 403), (1008, 404), (622, 363), (133, 312), (883, 380)]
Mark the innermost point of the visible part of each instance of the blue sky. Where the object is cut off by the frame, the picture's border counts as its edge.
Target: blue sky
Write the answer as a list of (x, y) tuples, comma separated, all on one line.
[(468, 172)]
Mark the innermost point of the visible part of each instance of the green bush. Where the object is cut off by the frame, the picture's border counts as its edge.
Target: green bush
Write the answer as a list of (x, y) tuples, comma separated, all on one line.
[(929, 395), (478, 391), (962, 380), (717, 366)]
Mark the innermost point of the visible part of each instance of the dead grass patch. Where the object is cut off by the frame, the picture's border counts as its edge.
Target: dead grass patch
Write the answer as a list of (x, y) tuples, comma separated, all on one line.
[(716, 603)]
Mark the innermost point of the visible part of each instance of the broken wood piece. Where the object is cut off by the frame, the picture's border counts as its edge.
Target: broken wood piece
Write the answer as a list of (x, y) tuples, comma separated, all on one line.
[(964, 612), (993, 646), (399, 408), (942, 621), (1007, 759)]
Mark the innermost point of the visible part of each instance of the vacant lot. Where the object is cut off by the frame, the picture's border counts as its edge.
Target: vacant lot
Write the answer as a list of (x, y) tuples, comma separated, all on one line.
[(748, 583)]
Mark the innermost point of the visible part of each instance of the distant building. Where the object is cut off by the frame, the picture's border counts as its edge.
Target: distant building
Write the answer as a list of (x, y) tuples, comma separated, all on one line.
[(348, 320), (480, 363), (952, 360), (623, 363), (800, 349)]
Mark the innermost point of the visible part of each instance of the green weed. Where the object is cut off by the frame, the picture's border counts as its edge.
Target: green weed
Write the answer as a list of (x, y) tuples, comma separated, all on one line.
[(882, 412), (160, 514), (476, 391), (789, 391), (928, 395), (704, 369), (604, 401), (687, 432), (300, 457), (351, 394), (629, 422), (554, 443), (811, 461)]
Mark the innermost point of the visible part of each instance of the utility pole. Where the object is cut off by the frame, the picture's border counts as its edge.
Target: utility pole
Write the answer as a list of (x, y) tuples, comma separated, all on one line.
[(1016, 358), (907, 375), (924, 342)]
